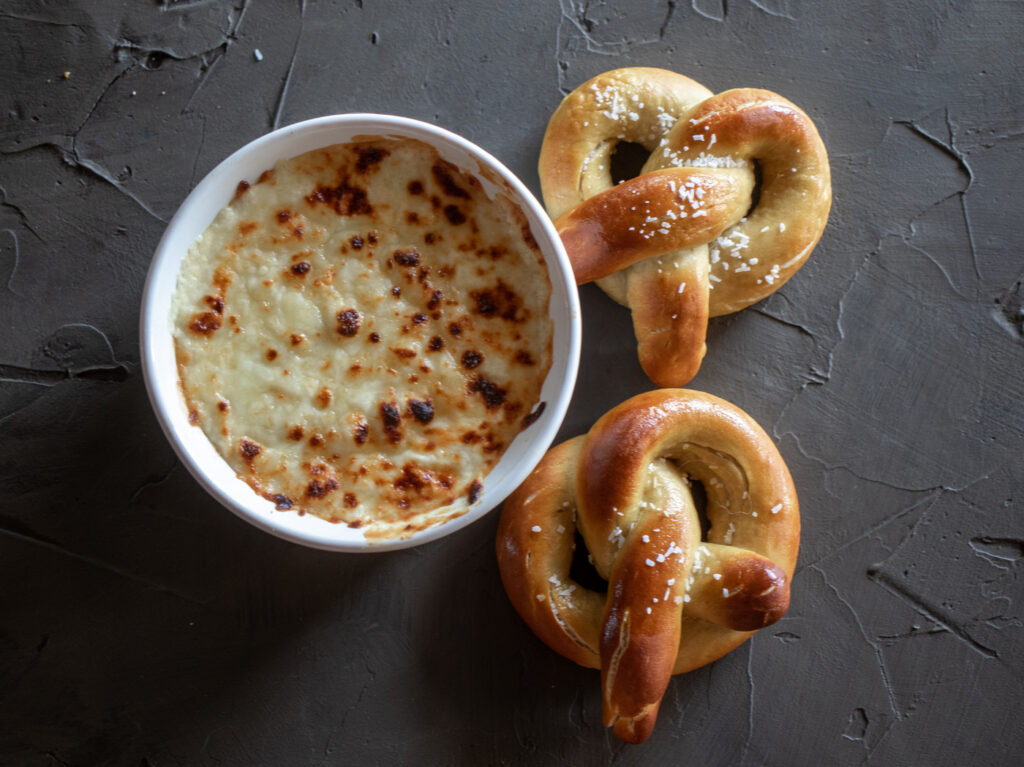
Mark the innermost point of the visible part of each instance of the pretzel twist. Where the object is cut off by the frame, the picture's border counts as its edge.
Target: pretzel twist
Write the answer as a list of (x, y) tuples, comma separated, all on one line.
[(674, 602), (682, 241)]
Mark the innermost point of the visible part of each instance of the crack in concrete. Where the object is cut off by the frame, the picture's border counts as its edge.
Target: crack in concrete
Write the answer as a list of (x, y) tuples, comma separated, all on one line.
[(922, 506), (952, 150), (1003, 553), (883, 668), (922, 607)]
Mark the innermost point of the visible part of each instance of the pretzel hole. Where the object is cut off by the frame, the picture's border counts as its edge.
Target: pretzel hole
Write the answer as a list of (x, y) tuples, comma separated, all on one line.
[(583, 571), (627, 161), (755, 196), (700, 502)]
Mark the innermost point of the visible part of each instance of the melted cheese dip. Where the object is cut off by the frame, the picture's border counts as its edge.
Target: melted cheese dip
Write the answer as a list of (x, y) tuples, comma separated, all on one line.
[(362, 332)]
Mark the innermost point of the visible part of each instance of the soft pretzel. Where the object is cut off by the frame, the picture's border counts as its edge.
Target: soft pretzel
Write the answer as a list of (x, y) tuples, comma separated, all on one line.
[(686, 239), (674, 602)]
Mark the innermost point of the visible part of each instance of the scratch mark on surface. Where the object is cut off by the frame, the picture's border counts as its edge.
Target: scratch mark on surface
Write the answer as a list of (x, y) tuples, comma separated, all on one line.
[(17, 529), (921, 606), (44, 377), (15, 258), (750, 702), (199, 151), (715, 10), (275, 122), (153, 482), (766, 6), (6, 203), (998, 552), (211, 57)]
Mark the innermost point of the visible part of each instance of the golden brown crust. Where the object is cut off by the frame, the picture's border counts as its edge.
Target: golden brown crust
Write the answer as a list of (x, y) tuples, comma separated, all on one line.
[(717, 144), (673, 602)]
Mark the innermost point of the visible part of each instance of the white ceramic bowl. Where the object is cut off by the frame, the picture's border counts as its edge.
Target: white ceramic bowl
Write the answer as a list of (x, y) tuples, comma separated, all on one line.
[(196, 213)]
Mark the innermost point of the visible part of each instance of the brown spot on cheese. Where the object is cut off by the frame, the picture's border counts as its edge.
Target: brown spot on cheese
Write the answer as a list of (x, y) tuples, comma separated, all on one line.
[(429, 238), (396, 291), (422, 410), (216, 303), (249, 450), (493, 394), (419, 318), (374, 337), (436, 344), (348, 322), (324, 397), (455, 328), (454, 215), (435, 299), (223, 406), (281, 502), (369, 157), (392, 421), (297, 338), (412, 217), (360, 431), (301, 269), (247, 227), (318, 489), (474, 490), (204, 324), (271, 354), (371, 237), (498, 302), (443, 176), (471, 359), (242, 188), (193, 417), (345, 199), (296, 433), (356, 242), (351, 502), (283, 216), (415, 187), (266, 176), (408, 257), (355, 524), (317, 440), (403, 353), (524, 357)]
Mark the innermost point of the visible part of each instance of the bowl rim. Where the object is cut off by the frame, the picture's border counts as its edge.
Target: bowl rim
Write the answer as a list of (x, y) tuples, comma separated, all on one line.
[(155, 330)]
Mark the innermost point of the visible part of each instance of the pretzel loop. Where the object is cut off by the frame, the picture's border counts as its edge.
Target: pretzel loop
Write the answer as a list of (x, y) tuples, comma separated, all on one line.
[(674, 602), (753, 236)]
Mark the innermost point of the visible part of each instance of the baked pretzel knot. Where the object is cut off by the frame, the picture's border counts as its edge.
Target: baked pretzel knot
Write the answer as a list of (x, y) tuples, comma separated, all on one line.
[(674, 602), (731, 201)]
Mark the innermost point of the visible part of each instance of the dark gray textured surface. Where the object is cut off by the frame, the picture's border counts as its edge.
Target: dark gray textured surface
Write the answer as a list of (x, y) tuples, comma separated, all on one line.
[(141, 624)]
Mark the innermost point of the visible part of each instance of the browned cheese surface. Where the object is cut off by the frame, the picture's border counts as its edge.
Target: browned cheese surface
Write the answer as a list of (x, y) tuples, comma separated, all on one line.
[(362, 332)]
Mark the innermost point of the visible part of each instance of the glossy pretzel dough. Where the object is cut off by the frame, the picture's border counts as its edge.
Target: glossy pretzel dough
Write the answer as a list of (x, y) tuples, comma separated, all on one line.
[(674, 602), (683, 240)]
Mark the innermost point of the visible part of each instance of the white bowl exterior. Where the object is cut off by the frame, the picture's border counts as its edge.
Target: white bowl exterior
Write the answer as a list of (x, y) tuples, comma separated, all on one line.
[(193, 217)]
